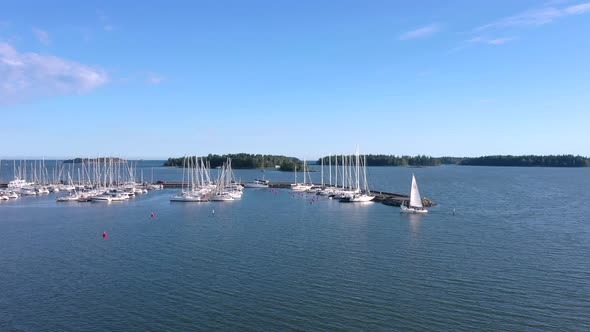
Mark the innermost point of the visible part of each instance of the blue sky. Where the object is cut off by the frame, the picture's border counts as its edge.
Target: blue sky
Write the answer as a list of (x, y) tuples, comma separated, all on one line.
[(300, 78)]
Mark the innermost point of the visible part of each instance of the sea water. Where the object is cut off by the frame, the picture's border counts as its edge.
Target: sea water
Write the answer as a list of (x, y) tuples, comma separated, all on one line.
[(515, 255)]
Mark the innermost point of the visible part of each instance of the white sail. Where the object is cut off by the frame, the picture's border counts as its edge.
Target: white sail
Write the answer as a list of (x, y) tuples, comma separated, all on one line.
[(415, 199)]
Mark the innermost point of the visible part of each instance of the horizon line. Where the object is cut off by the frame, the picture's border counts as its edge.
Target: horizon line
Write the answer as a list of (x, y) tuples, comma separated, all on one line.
[(11, 158)]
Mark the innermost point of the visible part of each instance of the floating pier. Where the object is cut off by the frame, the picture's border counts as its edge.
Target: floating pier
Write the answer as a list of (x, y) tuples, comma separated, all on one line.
[(387, 198)]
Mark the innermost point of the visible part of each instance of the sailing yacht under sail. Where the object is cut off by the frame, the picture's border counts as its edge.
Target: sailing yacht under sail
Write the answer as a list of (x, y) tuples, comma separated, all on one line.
[(415, 203)]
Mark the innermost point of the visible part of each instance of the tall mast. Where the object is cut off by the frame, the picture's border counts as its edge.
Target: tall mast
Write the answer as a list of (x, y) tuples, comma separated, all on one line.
[(336, 171), (358, 169), (365, 174), (322, 172), (330, 167)]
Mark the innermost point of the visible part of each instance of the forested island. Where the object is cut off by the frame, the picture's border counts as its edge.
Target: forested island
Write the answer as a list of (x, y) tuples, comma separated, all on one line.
[(392, 160), (244, 160), (529, 161), (499, 160)]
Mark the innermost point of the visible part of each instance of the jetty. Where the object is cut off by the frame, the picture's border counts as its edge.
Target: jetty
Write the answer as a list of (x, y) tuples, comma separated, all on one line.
[(387, 198)]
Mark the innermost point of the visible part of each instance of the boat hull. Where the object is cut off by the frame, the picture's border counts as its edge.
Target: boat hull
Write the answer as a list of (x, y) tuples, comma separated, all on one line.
[(361, 198), (188, 199), (412, 210), (255, 185), (222, 198)]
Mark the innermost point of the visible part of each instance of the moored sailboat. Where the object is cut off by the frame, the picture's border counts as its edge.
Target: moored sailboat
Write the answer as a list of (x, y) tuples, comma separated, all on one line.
[(301, 186)]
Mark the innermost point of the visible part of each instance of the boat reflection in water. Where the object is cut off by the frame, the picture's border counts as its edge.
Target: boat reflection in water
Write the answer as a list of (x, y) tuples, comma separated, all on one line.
[(415, 220)]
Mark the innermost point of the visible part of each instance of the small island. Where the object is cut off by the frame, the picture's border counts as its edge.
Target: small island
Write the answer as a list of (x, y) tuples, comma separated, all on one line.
[(243, 161)]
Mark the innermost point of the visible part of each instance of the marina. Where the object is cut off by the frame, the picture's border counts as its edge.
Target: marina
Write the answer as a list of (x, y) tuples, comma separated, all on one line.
[(114, 179), (197, 166), (387, 198)]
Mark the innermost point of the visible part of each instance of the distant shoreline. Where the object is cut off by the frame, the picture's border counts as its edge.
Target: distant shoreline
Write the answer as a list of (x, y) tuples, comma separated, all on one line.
[(282, 163), (497, 160), (94, 160)]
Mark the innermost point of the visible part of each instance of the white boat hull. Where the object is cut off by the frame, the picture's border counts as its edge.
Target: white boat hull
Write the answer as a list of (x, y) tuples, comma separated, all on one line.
[(105, 199), (68, 199), (222, 198), (255, 185), (404, 209), (361, 198), (119, 198), (187, 199), (300, 187)]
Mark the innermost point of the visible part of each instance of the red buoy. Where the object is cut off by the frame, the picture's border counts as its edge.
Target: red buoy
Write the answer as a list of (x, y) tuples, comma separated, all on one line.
[(153, 215), (105, 235)]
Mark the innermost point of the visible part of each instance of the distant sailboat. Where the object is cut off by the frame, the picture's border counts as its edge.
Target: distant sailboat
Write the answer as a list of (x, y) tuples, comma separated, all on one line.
[(415, 204)]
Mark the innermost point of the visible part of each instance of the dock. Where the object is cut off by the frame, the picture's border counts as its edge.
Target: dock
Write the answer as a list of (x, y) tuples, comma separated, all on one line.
[(387, 198)]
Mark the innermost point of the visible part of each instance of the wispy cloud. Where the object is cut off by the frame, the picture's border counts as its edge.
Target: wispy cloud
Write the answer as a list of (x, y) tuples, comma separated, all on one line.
[(104, 20), (101, 15), (422, 32), (492, 41), (538, 16), (28, 76), (577, 9), (42, 36), (153, 78)]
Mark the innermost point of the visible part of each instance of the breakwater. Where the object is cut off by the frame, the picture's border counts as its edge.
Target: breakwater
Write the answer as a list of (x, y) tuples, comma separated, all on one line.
[(387, 198)]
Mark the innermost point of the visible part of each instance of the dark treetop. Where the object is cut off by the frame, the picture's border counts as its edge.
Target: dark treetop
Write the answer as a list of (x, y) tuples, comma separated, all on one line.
[(243, 160), (500, 160)]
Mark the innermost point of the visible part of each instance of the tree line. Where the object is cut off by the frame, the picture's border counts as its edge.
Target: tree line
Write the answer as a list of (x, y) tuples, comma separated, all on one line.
[(497, 160), (244, 160), (529, 160), (392, 160)]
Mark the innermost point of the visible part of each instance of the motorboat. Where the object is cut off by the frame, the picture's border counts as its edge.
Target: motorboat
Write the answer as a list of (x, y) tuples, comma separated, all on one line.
[(257, 183)]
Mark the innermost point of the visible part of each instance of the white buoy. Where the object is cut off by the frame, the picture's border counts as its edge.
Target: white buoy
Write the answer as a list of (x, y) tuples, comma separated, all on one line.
[(453, 211), (213, 212)]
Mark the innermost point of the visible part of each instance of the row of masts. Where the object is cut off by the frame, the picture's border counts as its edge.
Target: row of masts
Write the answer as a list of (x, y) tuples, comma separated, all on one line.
[(198, 185), (353, 185), (93, 179), (104, 173)]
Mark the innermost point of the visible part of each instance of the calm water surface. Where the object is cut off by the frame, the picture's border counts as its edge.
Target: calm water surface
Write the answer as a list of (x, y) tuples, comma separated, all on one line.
[(515, 256)]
